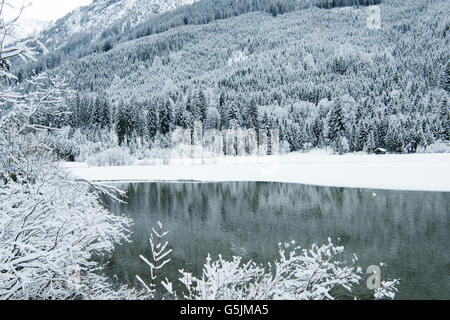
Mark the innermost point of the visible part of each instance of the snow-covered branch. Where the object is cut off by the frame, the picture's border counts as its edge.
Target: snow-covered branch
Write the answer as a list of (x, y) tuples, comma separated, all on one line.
[(160, 257), (299, 274), (51, 225)]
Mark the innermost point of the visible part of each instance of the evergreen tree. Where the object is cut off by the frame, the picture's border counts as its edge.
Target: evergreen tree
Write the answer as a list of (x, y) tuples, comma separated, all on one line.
[(85, 111), (181, 116), (202, 105), (75, 105), (152, 121), (317, 131), (265, 121), (96, 111), (428, 136), (165, 116), (394, 139), (298, 137), (252, 117), (340, 145), (446, 78), (370, 145), (233, 115), (336, 124), (212, 119), (100, 115), (122, 126), (355, 142), (106, 115), (197, 105), (444, 128)]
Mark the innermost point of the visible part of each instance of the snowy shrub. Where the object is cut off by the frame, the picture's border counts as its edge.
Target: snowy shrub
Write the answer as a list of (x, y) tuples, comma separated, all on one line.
[(47, 228), (212, 120), (50, 223), (52, 226), (237, 57), (118, 156), (284, 147), (309, 62), (138, 147), (92, 143), (341, 145), (386, 290), (438, 147), (181, 147), (299, 274), (157, 156), (62, 144)]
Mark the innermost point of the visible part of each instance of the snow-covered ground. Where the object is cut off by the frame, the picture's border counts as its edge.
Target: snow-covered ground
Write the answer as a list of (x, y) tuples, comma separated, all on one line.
[(427, 172)]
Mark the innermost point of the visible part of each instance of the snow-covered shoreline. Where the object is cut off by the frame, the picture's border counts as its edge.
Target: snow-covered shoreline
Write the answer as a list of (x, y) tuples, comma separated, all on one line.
[(414, 172)]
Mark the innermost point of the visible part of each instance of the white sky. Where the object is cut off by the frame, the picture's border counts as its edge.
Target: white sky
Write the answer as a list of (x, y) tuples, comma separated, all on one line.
[(48, 9)]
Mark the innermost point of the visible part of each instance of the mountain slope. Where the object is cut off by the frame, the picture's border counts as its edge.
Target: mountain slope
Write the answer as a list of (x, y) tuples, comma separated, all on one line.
[(337, 41), (26, 28), (101, 14), (323, 77)]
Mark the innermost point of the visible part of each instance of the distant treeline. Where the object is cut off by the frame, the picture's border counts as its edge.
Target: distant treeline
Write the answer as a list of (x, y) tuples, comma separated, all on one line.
[(329, 4)]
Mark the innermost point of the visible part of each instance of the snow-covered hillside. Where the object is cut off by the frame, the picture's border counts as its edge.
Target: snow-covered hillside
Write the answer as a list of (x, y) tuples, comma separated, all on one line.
[(101, 14), (25, 28)]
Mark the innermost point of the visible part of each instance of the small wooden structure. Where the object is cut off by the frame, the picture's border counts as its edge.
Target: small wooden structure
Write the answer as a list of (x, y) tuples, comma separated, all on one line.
[(380, 151)]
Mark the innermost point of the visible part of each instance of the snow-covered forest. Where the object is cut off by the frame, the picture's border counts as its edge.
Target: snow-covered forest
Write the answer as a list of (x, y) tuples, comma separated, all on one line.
[(348, 75), (316, 70)]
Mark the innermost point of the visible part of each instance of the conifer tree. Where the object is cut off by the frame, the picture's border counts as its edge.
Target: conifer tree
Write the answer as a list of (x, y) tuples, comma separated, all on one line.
[(122, 125), (336, 124), (165, 116), (152, 121), (394, 139), (370, 146), (181, 116), (252, 118), (444, 130)]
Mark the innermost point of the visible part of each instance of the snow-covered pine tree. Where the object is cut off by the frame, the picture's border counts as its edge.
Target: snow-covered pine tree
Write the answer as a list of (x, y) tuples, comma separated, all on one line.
[(104, 114), (446, 77), (212, 120), (233, 115), (181, 116), (252, 116), (100, 113), (394, 138), (152, 121), (359, 136), (165, 116), (370, 145), (317, 131), (337, 123), (444, 130), (122, 124)]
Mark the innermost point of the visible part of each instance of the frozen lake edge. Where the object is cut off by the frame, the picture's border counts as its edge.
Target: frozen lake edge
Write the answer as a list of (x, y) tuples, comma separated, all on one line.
[(409, 172)]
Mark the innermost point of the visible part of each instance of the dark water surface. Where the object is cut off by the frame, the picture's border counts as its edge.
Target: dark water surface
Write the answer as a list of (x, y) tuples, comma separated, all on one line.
[(409, 231)]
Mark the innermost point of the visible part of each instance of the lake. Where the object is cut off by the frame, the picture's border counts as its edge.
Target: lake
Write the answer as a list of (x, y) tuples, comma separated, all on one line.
[(408, 231)]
